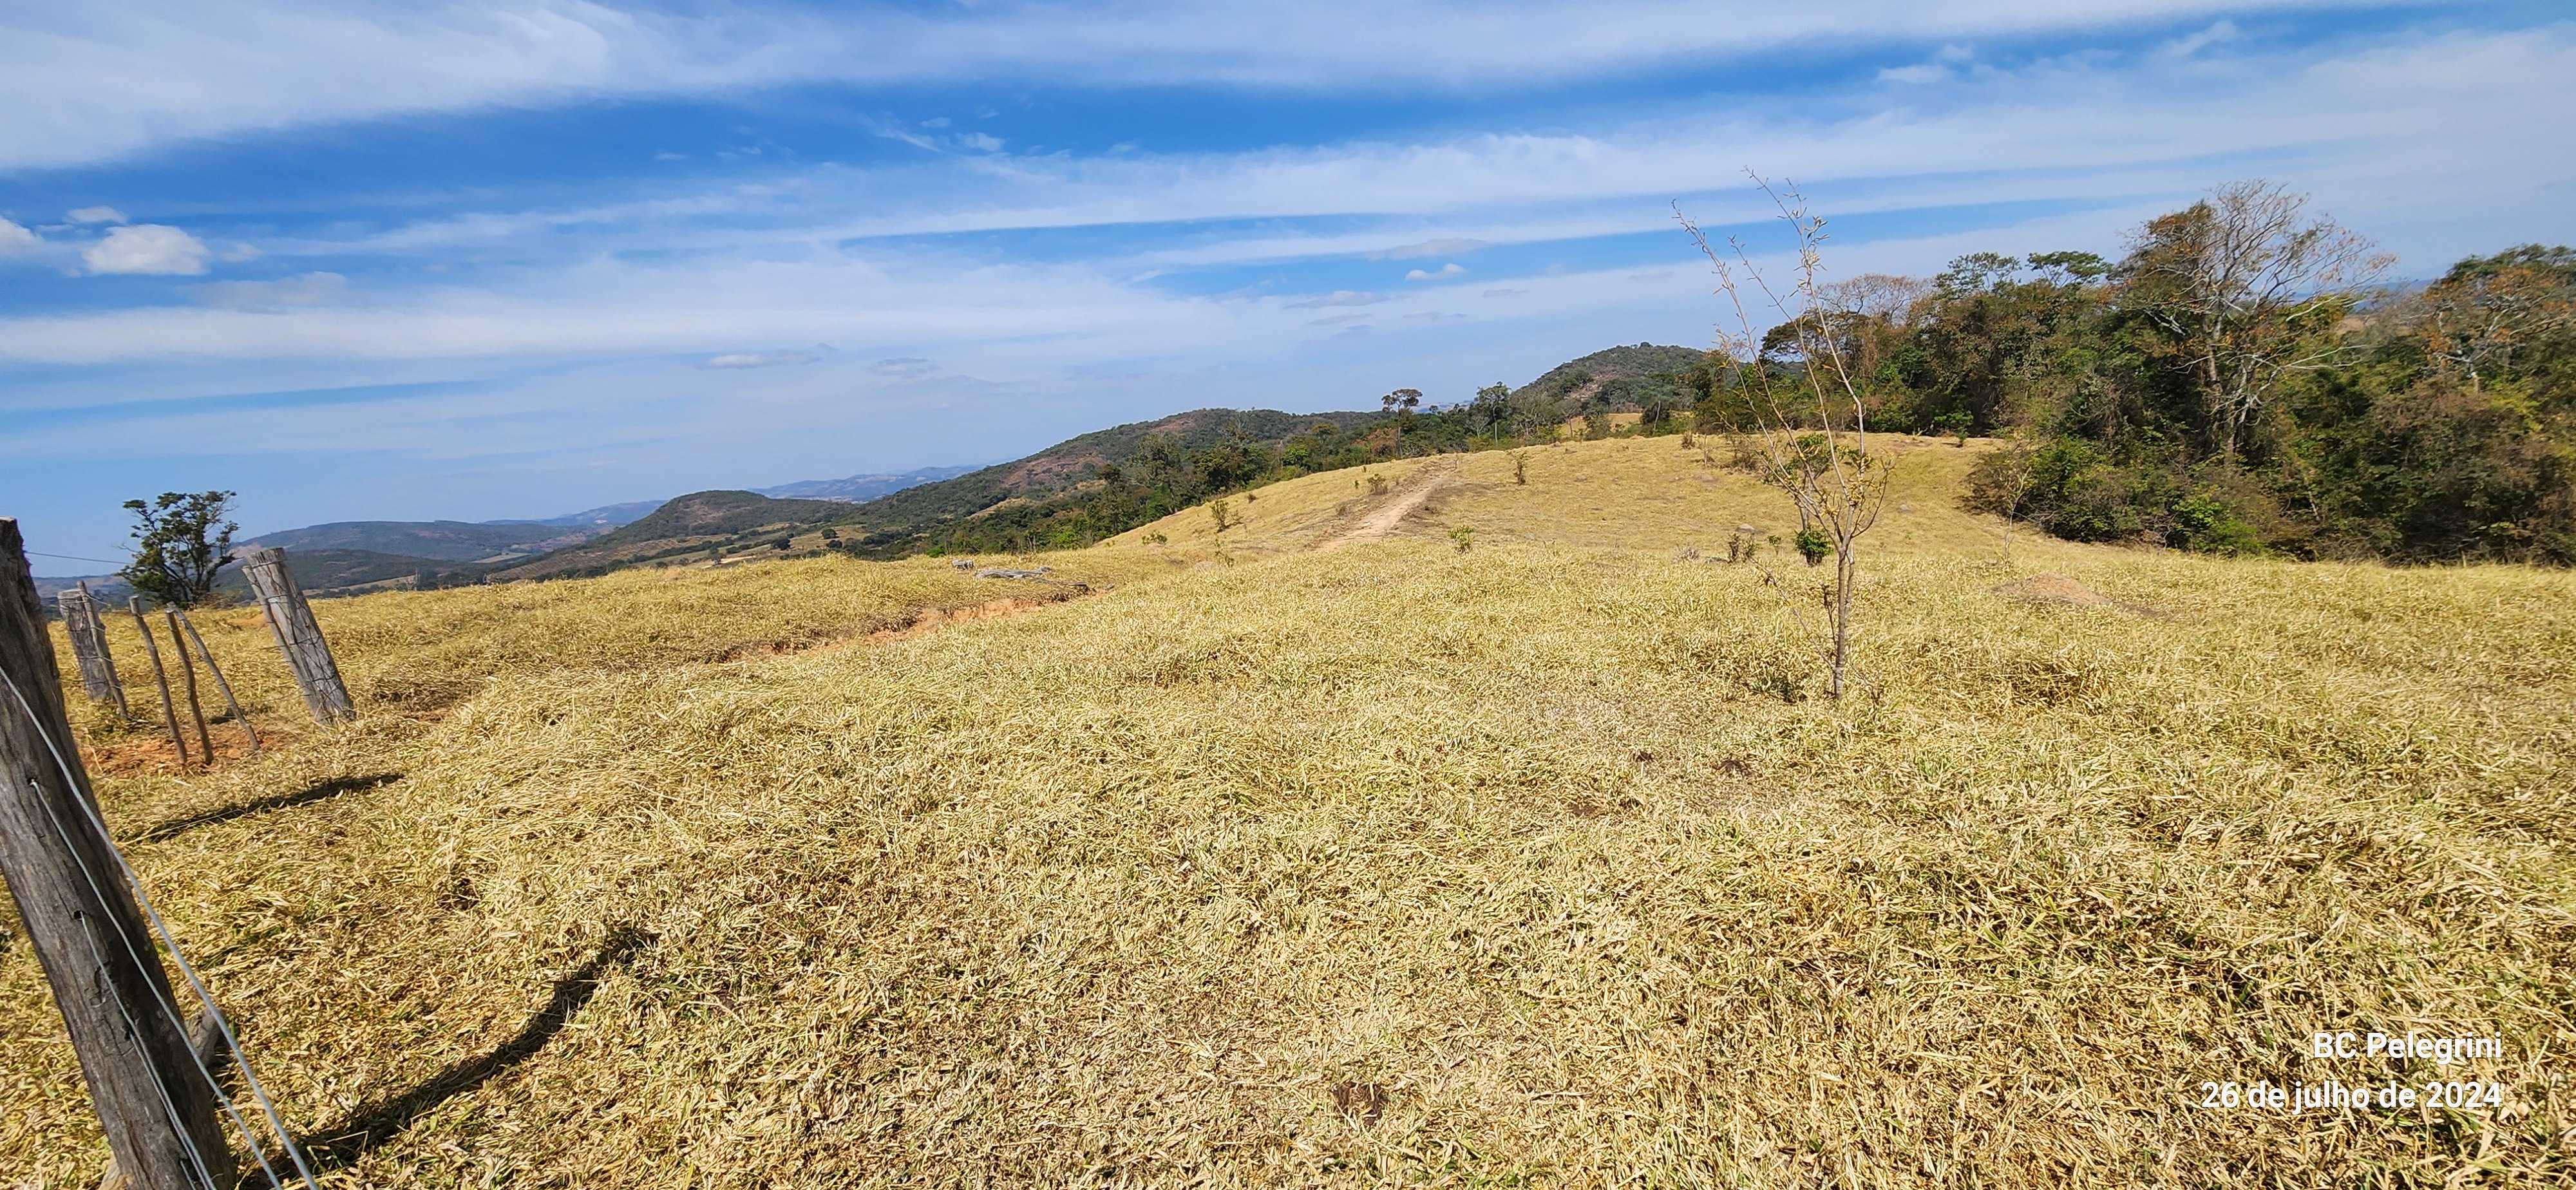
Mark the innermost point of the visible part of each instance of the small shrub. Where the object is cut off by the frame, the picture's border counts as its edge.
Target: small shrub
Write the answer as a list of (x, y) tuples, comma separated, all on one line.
[(1815, 545), (1463, 536), (1520, 466)]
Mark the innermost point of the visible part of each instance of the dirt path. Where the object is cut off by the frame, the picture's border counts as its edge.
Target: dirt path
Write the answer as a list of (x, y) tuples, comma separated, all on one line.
[(1380, 522)]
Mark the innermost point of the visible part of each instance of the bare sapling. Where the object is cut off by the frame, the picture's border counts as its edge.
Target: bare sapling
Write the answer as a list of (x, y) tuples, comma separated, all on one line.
[(1805, 426), (2010, 476)]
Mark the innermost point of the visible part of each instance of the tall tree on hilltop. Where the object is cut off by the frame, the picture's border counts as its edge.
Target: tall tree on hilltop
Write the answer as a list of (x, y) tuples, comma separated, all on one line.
[(180, 540)]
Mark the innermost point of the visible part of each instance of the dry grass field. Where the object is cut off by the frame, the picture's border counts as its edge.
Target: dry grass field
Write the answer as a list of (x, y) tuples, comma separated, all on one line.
[(1262, 863)]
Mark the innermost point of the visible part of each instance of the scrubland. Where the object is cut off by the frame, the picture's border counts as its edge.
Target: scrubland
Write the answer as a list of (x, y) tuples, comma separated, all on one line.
[(1256, 863)]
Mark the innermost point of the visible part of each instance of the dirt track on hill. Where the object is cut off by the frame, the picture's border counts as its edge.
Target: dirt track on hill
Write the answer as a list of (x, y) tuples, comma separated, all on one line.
[(1408, 499)]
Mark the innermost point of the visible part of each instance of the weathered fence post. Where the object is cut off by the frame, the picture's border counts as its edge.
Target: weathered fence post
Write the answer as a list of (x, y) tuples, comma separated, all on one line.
[(157, 1108), (160, 676), (98, 632), (89, 652), (188, 671), (298, 636), (232, 706)]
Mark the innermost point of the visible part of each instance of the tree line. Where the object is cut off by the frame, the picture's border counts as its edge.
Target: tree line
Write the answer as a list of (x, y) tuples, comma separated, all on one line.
[(2239, 381)]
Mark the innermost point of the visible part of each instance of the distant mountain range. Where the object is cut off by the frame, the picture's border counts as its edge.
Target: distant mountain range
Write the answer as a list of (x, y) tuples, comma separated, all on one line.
[(877, 513), (858, 489), (355, 555)]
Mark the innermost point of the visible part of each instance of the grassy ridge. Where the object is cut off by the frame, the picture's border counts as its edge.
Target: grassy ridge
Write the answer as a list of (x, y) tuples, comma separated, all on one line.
[(1391, 863)]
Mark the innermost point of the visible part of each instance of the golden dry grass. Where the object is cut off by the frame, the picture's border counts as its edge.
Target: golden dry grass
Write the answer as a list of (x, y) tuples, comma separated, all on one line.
[(1392, 864), (1643, 493)]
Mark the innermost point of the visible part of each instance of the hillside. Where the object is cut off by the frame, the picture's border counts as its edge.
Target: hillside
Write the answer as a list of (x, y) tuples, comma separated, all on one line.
[(441, 541), (1613, 379), (1332, 854), (1074, 461), (697, 521)]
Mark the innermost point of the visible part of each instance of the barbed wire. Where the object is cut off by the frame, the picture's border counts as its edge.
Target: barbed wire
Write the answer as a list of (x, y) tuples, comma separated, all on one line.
[(205, 999)]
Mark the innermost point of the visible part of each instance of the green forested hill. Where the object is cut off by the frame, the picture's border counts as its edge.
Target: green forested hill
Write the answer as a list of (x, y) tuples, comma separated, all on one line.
[(1618, 379), (1066, 464)]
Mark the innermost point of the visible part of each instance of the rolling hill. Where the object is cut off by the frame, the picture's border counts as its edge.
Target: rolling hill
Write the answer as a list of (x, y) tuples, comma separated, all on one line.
[(699, 520)]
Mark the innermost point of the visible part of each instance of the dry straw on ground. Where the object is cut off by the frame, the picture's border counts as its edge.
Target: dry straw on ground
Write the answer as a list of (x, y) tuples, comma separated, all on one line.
[(1386, 864)]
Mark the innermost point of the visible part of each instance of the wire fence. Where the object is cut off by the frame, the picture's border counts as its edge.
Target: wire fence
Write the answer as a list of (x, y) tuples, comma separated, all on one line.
[(204, 1164)]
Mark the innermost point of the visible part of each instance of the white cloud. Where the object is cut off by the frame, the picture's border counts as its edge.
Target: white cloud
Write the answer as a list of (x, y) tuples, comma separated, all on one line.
[(764, 359), (905, 367), (96, 215), (147, 248), (87, 83), (14, 238), (1451, 269), (980, 142)]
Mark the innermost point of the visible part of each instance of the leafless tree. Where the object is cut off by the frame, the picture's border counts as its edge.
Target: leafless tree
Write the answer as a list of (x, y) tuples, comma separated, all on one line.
[(1809, 435), (2247, 283)]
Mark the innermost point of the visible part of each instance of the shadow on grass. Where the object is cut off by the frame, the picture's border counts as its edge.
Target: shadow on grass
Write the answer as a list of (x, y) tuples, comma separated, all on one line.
[(302, 797), (372, 1124)]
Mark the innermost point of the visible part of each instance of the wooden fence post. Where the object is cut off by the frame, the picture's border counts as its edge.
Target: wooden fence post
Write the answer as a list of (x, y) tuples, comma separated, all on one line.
[(89, 652), (188, 671), (232, 706), (160, 676), (291, 618), (157, 1108)]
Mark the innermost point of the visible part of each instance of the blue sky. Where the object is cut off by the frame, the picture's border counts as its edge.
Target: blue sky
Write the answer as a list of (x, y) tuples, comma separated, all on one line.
[(497, 258)]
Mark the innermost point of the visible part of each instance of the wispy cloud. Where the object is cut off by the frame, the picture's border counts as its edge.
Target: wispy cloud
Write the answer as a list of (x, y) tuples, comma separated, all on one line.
[(2218, 32), (1444, 246), (96, 215), (95, 82), (1451, 269), (297, 292), (1339, 297), (764, 359)]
